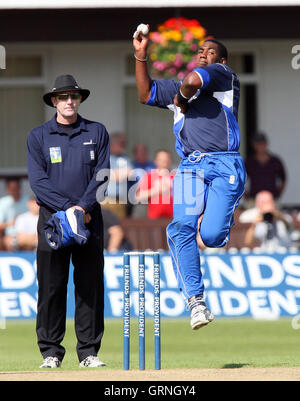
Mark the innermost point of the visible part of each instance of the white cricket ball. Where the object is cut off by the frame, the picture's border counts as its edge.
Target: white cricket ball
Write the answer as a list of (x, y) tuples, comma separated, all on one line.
[(143, 28)]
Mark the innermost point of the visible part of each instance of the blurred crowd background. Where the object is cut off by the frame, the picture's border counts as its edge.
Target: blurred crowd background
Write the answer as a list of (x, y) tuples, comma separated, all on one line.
[(263, 44), (139, 200)]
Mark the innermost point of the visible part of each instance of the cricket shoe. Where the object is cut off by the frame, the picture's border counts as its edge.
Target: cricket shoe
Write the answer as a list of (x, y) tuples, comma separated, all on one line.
[(200, 314), (51, 362), (91, 361)]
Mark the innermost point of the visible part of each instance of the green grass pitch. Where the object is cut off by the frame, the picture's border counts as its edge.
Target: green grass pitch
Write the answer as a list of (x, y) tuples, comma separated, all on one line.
[(225, 343)]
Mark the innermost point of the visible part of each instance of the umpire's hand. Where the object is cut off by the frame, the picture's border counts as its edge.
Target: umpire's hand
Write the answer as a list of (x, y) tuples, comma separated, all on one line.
[(86, 216)]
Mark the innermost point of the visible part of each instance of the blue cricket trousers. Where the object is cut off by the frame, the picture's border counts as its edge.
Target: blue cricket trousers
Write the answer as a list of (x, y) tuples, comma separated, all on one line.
[(212, 184)]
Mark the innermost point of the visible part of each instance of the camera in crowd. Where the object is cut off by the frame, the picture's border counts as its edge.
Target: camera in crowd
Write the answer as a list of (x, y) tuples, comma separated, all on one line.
[(268, 217)]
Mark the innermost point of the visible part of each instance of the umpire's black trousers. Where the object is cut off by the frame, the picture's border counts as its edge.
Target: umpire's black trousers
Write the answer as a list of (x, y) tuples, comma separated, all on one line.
[(52, 275)]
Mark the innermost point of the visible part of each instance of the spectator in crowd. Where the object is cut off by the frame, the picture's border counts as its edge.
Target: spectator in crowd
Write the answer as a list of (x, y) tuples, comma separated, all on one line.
[(11, 205), (114, 236), (265, 170), (270, 227), (155, 187), (121, 168), (141, 165), (26, 226), (141, 160)]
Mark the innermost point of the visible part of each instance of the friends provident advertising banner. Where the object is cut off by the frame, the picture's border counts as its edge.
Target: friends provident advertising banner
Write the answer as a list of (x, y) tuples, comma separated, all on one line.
[(262, 286)]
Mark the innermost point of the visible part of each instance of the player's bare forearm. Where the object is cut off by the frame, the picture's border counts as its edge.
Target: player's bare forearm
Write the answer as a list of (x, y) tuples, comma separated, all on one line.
[(188, 88), (143, 80), (190, 85)]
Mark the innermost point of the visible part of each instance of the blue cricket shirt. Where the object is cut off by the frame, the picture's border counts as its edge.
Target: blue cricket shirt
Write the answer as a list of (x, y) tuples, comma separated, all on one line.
[(210, 124), (63, 168)]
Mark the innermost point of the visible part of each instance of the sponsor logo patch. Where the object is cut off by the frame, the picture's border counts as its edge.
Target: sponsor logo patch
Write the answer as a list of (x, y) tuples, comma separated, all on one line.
[(55, 155)]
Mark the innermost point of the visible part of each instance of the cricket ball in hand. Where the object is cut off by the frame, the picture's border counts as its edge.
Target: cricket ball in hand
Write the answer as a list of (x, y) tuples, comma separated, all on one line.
[(143, 28)]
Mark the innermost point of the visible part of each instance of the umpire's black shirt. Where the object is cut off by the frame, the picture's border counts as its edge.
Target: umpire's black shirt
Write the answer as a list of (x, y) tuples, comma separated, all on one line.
[(63, 166)]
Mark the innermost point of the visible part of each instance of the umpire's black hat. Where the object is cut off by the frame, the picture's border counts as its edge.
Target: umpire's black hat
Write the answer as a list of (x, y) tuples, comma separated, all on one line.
[(65, 83)]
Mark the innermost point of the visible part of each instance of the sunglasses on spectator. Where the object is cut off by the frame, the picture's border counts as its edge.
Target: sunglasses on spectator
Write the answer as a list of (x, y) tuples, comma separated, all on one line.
[(65, 96)]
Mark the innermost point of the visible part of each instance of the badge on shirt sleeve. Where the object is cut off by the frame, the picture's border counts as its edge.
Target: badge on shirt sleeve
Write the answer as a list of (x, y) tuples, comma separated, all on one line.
[(55, 155)]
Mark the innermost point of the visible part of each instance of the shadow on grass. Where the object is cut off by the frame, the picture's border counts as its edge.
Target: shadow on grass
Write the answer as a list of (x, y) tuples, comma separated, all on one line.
[(235, 365)]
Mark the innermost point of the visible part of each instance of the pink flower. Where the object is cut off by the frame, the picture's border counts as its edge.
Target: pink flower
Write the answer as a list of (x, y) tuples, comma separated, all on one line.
[(178, 60), (172, 71), (188, 37), (160, 65), (156, 37), (191, 65), (181, 75), (193, 47)]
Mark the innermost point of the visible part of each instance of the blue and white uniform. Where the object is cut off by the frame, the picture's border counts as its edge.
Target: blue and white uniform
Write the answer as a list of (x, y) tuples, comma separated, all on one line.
[(211, 176)]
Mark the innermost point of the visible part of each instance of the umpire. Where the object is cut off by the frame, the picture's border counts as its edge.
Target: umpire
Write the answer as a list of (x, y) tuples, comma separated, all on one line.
[(64, 156)]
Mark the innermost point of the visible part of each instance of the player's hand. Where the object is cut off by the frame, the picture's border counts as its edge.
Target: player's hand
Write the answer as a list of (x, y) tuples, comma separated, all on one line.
[(140, 44), (183, 107)]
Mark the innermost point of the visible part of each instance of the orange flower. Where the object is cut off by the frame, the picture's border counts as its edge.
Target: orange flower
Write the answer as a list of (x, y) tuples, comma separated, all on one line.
[(176, 36), (173, 47), (199, 32)]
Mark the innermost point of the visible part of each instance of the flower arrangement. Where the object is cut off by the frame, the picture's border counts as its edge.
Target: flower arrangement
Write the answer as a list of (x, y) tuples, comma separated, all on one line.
[(174, 46)]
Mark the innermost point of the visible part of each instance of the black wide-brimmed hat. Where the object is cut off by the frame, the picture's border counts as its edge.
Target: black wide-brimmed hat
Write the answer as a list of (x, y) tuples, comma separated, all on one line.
[(65, 83)]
